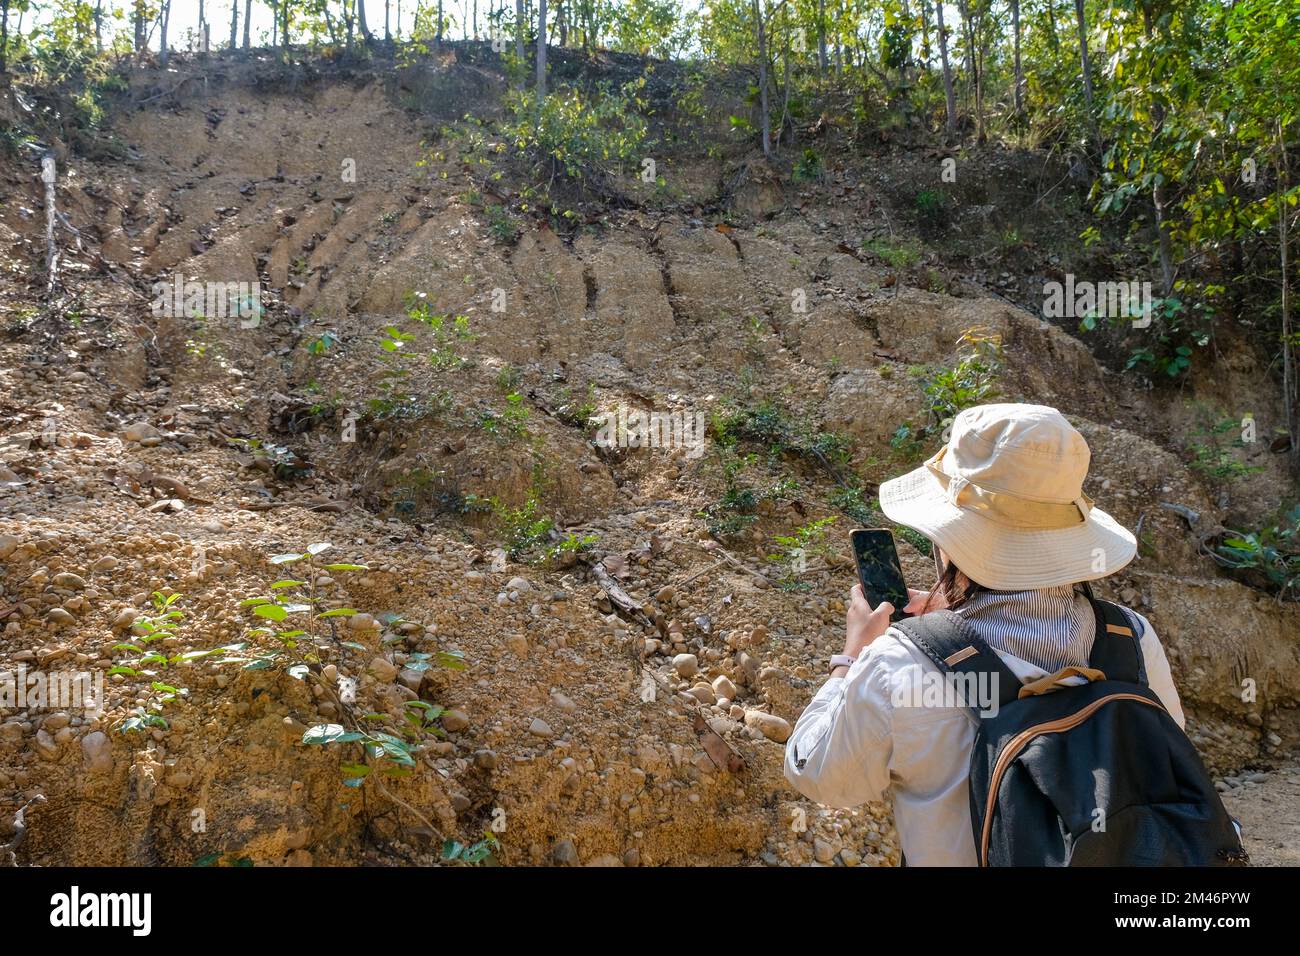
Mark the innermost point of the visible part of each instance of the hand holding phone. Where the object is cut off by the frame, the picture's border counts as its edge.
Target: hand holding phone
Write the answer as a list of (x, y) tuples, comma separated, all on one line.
[(879, 570)]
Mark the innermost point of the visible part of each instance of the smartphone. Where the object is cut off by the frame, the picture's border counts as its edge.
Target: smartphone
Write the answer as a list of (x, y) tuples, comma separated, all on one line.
[(878, 569)]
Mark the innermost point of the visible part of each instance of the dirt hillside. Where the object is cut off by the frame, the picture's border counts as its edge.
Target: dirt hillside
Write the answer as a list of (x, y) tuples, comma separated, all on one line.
[(145, 453)]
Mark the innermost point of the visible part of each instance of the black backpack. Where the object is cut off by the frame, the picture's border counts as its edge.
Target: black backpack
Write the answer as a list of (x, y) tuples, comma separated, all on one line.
[(1092, 775)]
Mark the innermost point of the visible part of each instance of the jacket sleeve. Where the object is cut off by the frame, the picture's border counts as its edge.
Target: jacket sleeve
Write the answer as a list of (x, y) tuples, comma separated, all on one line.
[(839, 752), (1159, 677)]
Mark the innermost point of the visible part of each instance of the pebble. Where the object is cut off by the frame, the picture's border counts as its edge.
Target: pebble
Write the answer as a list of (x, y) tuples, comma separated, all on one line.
[(517, 644), (769, 725), (540, 728), (59, 616), (723, 686), (518, 584), (8, 545), (455, 720), (564, 853), (687, 665), (97, 750), (383, 669), (66, 579)]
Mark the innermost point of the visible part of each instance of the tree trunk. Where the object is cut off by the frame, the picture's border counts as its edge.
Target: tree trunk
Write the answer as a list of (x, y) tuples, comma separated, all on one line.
[(1288, 352), (166, 19), (950, 98), (366, 35), (139, 27), (1051, 26), (437, 39), (388, 34), (99, 24), (203, 20), (248, 20), (762, 78), (1087, 69), (4, 36), (234, 24), (541, 51), (1020, 75), (519, 30), (821, 37)]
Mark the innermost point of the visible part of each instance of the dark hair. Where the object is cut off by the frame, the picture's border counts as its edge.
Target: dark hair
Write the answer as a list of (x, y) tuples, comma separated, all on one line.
[(953, 586)]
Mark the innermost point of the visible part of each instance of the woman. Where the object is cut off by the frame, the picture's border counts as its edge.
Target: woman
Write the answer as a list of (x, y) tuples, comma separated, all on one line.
[(1014, 537)]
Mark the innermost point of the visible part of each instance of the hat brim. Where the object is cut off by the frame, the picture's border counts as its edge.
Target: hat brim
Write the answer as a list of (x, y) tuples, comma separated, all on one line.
[(1002, 557)]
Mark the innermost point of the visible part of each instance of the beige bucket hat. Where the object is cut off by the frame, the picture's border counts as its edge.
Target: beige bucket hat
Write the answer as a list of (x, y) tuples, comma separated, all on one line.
[(1004, 499)]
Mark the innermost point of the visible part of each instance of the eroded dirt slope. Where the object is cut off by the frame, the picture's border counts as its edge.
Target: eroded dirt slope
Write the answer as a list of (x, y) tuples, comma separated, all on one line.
[(120, 479)]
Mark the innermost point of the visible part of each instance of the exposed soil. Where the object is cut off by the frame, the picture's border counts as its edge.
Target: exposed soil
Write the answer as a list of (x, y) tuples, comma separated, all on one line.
[(119, 478)]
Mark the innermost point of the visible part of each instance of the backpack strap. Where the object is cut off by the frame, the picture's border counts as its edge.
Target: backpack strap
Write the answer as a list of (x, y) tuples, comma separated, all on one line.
[(1117, 649), (954, 647)]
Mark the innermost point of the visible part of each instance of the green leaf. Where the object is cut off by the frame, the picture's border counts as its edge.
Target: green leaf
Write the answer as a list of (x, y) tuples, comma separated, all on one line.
[(287, 558), (329, 734), (287, 583), (340, 612), (346, 567), (273, 612)]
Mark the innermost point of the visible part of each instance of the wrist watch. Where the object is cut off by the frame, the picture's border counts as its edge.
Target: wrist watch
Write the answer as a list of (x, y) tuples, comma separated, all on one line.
[(841, 660)]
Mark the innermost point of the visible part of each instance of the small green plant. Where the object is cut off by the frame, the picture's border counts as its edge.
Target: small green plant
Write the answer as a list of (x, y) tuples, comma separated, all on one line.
[(951, 389), (808, 541), (1267, 558), (298, 637), (503, 226), (454, 851), (525, 528), (1215, 455), (896, 255), (808, 167)]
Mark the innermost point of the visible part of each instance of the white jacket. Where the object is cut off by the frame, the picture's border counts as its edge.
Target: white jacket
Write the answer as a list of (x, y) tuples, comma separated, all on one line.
[(851, 745)]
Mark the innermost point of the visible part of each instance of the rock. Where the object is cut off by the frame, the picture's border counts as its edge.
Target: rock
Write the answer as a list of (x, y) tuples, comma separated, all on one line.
[(605, 859), (563, 702), (686, 665), (769, 725), (106, 563), (125, 618), (486, 759), (363, 622), (46, 748), (746, 670), (849, 857), (410, 678), (8, 545), (518, 584), (564, 853), (383, 670), (97, 750), (724, 687), (139, 432), (61, 617), (454, 721), (540, 728), (517, 645), (823, 852), (56, 722), (632, 857), (703, 693), (66, 579), (666, 594)]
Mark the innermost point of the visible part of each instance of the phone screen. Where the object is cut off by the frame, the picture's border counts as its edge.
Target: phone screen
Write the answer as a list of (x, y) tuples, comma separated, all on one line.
[(879, 571)]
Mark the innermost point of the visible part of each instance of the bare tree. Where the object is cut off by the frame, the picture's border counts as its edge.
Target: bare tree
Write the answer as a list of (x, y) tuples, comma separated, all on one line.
[(1087, 68), (950, 98), (1020, 75), (762, 77), (248, 19), (541, 50), (166, 14), (366, 35)]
